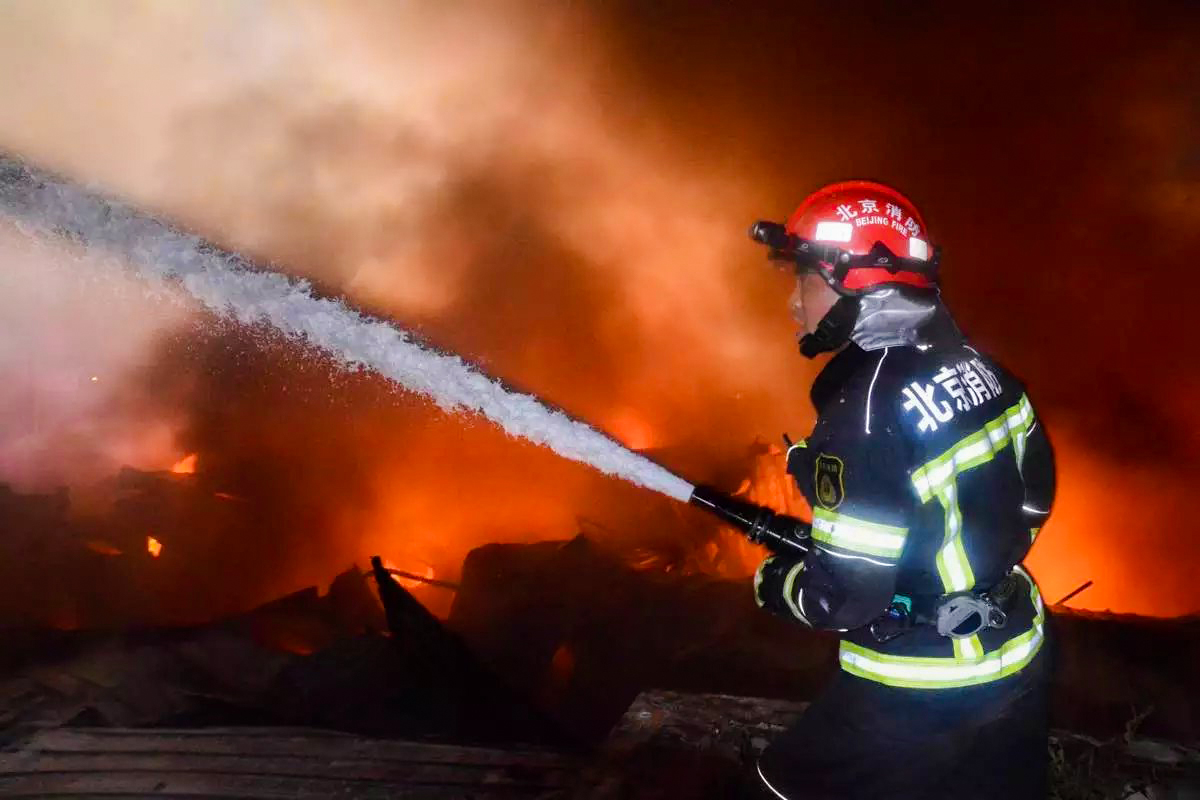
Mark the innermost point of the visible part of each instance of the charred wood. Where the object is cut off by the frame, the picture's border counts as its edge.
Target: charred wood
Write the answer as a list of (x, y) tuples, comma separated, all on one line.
[(422, 681)]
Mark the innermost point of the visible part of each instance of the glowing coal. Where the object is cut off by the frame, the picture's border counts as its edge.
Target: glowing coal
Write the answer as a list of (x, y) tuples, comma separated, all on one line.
[(228, 285)]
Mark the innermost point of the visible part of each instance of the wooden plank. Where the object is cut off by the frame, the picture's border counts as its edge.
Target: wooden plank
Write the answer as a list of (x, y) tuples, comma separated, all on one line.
[(282, 742), (273, 763), (356, 770), (247, 787)]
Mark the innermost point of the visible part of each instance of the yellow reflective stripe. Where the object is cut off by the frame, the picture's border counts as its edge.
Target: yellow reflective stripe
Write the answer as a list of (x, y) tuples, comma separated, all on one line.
[(858, 535), (953, 566), (789, 583), (1020, 423), (973, 450), (1033, 532), (758, 579), (948, 673), (938, 478), (968, 649), (962, 669)]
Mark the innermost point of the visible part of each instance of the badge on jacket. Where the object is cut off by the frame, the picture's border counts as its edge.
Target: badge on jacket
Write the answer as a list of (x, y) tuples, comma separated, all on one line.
[(831, 491)]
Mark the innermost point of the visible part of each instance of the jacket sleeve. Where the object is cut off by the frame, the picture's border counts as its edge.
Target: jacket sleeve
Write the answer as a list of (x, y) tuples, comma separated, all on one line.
[(1038, 473), (854, 474)]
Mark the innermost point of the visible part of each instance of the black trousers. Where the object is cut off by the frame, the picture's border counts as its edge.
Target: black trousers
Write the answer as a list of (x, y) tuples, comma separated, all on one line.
[(861, 739)]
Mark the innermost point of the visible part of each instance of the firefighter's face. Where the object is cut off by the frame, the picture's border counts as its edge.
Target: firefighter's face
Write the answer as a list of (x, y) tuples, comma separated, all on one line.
[(810, 301)]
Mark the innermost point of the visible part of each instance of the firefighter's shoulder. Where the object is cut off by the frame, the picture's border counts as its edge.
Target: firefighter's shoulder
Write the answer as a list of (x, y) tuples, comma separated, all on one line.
[(865, 406)]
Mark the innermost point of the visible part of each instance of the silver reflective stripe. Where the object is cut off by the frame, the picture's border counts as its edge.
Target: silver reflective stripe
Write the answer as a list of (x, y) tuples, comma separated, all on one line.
[(767, 783), (870, 389), (847, 556), (857, 535)]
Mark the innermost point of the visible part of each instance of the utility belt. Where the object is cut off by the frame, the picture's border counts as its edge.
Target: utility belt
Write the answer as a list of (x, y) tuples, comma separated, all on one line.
[(959, 615)]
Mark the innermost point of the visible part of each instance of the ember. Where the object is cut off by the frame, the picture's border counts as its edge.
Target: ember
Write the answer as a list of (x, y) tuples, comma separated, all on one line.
[(153, 547)]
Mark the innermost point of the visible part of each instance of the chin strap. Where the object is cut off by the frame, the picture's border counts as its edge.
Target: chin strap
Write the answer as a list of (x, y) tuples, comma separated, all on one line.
[(833, 330)]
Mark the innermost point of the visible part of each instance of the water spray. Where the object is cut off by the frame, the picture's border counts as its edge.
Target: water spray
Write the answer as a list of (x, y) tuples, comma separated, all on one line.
[(229, 285)]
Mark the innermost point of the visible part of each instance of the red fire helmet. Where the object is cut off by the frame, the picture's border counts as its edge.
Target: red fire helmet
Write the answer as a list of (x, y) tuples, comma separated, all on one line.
[(861, 235)]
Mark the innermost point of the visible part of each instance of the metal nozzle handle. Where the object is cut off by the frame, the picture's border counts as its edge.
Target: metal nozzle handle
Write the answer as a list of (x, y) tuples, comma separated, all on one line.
[(779, 533)]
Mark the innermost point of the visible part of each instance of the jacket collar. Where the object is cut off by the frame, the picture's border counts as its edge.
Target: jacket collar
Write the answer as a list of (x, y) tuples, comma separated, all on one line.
[(891, 317)]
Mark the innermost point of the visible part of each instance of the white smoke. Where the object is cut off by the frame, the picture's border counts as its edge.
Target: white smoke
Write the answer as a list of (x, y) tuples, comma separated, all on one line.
[(67, 366)]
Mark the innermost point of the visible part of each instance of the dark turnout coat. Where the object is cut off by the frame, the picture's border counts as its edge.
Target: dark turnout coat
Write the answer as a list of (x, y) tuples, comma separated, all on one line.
[(929, 474)]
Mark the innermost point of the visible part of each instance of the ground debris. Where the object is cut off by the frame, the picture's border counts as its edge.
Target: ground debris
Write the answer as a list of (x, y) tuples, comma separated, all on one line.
[(1123, 767), (676, 745)]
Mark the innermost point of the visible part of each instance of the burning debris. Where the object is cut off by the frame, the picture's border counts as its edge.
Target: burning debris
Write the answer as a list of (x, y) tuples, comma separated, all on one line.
[(525, 672), (339, 660)]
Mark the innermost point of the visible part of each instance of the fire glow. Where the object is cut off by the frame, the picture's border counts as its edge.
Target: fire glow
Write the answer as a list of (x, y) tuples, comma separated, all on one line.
[(153, 547), (185, 465), (657, 354)]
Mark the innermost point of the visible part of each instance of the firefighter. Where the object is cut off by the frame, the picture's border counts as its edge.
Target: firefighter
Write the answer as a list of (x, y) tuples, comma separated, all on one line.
[(929, 475)]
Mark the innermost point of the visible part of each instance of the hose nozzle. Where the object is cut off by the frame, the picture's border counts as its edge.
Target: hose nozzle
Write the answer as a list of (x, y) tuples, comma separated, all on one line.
[(779, 533)]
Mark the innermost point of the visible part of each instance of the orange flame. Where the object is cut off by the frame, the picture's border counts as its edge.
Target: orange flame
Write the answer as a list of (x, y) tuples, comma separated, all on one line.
[(185, 465), (153, 546)]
